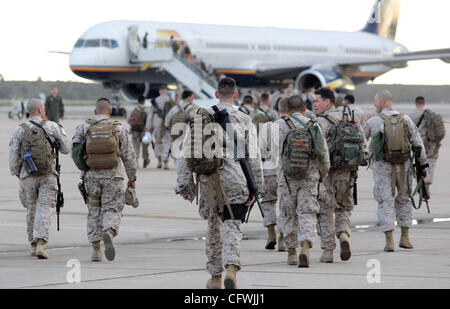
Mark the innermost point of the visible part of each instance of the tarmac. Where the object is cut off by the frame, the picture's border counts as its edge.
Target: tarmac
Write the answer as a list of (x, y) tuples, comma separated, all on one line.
[(161, 244)]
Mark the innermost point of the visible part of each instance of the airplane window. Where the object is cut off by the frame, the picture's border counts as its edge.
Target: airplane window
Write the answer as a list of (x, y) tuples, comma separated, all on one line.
[(92, 43), (106, 43), (114, 44), (79, 43)]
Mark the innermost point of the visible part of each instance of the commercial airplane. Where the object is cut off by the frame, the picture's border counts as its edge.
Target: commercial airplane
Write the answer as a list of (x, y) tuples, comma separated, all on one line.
[(253, 56)]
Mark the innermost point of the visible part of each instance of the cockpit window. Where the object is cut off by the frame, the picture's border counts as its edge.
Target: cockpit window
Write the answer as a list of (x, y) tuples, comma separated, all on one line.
[(92, 43), (79, 43), (114, 44), (106, 43)]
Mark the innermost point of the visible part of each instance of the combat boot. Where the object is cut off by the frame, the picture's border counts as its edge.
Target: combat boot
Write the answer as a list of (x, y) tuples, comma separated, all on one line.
[(166, 165), (159, 163), (215, 282), (327, 256), (97, 252), (304, 255), (404, 239), (41, 252), (345, 246), (110, 252), (389, 247), (146, 163), (292, 257), (33, 249), (230, 278), (271, 237), (281, 246)]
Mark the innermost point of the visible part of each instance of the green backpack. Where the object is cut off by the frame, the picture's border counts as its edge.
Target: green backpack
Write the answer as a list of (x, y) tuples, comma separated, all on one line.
[(297, 150), (35, 142), (182, 116), (260, 117), (434, 125), (347, 150), (395, 139)]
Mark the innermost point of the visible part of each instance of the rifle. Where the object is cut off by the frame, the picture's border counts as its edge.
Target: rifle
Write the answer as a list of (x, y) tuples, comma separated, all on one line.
[(421, 188), (60, 196), (159, 111), (355, 180), (223, 118)]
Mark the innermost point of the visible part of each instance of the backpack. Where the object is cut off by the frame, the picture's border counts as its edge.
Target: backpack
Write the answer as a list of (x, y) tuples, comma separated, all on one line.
[(347, 150), (35, 142), (434, 125), (137, 119), (201, 165), (102, 144), (181, 116), (167, 107), (396, 144), (259, 118), (297, 150)]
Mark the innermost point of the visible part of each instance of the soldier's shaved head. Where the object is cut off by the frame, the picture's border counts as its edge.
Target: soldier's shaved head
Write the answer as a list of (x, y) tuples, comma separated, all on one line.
[(103, 107), (383, 99), (384, 95), (33, 106)]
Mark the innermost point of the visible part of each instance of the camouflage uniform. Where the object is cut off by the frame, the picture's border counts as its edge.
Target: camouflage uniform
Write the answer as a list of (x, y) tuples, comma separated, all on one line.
[(161, 136), (248, 110), (389, 207), (431, 148), (311, 115), (337, 199), (223, 239), (37, 193), (106, 192), (298, 203), (136, 138), (54, 108)]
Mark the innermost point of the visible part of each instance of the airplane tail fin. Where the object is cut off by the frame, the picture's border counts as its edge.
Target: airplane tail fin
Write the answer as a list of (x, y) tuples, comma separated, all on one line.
[(383, 19)]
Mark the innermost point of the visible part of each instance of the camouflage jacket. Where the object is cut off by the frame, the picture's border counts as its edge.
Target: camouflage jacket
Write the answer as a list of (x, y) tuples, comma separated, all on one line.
[(154, 122), (54, 131), (127, 153)]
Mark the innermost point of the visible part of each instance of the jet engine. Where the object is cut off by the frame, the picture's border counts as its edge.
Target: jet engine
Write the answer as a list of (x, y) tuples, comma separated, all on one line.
[(317, 78)]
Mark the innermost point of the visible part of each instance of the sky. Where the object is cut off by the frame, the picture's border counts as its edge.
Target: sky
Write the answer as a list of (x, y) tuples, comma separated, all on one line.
[(29, 29)]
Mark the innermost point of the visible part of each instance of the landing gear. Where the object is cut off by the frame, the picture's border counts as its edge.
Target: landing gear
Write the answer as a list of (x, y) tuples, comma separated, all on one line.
[(116, 109)]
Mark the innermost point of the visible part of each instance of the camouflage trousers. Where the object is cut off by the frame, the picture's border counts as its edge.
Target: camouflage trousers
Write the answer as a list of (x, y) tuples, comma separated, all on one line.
[(336, 205), (38, 195), (136, 138), (432, 150), (163, 143), (105, 205), (223, 241), (269, 202), (389, 207), (298, 210)]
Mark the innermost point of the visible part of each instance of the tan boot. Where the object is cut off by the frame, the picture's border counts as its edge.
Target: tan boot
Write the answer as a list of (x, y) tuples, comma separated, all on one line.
[(230, 278), (304, 255), (344, 240), (97, 252), (281, 246), (327, 256), (159, 163), (108, 237), (292, 257), (404, 239), (215, 282), (146, 163), (389, 247), (271, 237), (33, 249), (166, 165), (41, 252)]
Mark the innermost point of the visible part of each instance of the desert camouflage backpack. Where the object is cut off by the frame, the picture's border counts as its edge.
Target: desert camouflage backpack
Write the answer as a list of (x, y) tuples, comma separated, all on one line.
[(35, 142), (347, 148), (102, 144), (396, 145), (297, 150), (434, 125), (167, 107), (137, 119), (182, 116), (260, 117), (197, 161)]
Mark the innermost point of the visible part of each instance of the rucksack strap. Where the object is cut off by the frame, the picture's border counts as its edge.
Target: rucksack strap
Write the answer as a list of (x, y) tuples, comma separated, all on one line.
[(330, 119), (299, 121), (421, 118), (259, 108), (52, 144)]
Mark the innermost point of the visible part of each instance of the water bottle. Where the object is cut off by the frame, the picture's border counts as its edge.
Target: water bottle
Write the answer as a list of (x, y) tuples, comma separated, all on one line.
[(30, 163), (147, 138)]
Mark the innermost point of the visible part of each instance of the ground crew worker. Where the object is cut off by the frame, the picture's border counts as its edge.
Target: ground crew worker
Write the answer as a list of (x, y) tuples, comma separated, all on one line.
[(431, 147), (388, 176), (223, 235), (107, 143), (247, 106), (336, 198), (137, 122), (37, 190), (54, 106), (349, 103), (155, 125), (298, 197)]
